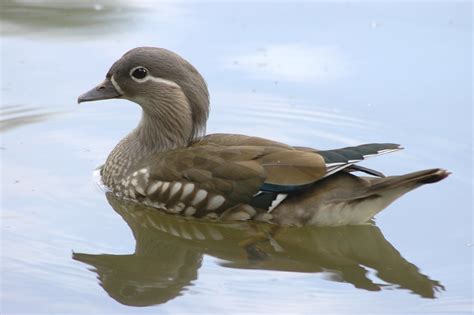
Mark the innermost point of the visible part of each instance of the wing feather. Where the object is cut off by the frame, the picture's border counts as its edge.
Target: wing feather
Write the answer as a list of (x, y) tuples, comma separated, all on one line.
[(240, 166)]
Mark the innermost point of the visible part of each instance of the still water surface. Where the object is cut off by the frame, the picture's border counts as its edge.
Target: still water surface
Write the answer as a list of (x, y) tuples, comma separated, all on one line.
[(321, 74)]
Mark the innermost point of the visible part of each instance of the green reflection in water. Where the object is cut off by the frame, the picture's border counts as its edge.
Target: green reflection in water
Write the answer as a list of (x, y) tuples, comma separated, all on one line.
[(169, 251), (63, 17)]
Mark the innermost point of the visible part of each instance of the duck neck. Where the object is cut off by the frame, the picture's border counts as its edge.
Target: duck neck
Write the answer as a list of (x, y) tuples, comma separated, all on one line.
[(152, 135), (155, 133)]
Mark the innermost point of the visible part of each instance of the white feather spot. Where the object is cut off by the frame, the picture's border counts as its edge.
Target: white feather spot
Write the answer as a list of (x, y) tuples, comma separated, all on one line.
[(165, 187), (140, 190), (176, 187), (190, 211), (143, 171), (154, 187), (159, 205), (134, 182), (370, 155), (335, 164), (238, 216), (154, 204), (249, 209), (264, 217), (177, 208), (279, 198), (131, 193), (215, 202), (187, 189), (200, 195), (211, 216)]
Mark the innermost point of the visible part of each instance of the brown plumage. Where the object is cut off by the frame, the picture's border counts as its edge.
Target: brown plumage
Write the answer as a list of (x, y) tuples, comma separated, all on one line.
[(167, 163)]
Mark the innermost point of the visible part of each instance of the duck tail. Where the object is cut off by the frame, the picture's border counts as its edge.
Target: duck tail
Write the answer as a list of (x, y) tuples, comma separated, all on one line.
[(409, 181), (345, 199), (381, 192)]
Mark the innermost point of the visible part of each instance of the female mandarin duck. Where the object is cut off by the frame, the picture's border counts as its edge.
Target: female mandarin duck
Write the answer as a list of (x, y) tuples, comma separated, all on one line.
[(168, 163)]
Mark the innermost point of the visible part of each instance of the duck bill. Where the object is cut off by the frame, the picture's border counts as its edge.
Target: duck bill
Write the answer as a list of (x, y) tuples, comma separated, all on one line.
[(103, 91)]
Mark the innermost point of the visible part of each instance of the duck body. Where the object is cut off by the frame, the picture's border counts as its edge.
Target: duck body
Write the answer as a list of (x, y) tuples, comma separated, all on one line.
[(167, 163)]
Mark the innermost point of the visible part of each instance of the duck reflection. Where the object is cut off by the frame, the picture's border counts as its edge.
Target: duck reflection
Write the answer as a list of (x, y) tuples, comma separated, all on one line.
[(169, 252)]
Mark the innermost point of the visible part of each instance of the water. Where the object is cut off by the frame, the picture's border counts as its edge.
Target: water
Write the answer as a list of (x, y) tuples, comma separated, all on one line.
[(320, 74)]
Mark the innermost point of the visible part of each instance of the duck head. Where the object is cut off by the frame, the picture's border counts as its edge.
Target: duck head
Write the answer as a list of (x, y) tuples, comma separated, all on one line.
[(171, 92)]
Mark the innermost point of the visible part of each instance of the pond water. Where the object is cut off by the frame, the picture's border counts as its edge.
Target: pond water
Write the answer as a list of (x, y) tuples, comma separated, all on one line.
[(321, 75)]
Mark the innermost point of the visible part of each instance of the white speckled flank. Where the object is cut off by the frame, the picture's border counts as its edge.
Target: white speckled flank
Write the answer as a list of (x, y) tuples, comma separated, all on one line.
[(215, 202)]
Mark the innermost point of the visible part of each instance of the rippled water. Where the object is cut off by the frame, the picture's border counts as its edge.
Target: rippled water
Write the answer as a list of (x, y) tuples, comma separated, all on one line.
[(320, 74)]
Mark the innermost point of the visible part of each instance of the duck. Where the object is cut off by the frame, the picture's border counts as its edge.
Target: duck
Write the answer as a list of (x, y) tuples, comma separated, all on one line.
[(168, 162)]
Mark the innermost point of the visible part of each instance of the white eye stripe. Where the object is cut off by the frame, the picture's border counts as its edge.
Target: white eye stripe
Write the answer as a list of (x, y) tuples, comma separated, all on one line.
[(149, 77), (157, 80)]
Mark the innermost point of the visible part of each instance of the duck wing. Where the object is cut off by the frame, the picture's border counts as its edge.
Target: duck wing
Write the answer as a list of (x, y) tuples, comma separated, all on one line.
[(220, 171)]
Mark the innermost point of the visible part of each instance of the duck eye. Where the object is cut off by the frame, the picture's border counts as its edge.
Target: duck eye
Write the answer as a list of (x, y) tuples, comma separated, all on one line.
[(139, 73)]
